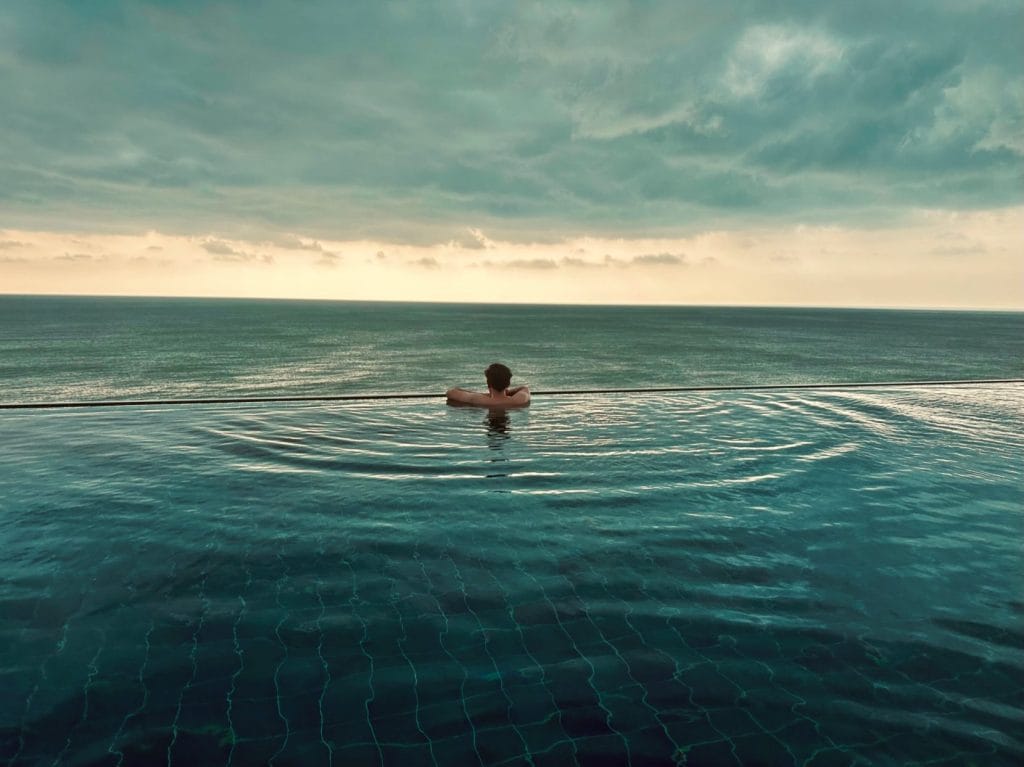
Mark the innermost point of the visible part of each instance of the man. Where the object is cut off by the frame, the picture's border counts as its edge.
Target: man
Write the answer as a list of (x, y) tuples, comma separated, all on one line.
[(498, 395)]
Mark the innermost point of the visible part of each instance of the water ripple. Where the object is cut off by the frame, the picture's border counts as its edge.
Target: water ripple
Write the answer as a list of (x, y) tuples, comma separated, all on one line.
[(717, 575)]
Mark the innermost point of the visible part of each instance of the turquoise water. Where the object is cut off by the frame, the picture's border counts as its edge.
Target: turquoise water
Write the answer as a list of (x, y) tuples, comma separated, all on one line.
[(723, 578), (68, 348)]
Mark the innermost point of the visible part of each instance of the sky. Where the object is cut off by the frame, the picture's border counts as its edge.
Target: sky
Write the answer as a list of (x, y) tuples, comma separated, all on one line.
[(765, 153)]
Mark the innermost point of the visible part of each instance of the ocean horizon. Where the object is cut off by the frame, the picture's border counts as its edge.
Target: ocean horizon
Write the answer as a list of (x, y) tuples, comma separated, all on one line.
[(94, 348)]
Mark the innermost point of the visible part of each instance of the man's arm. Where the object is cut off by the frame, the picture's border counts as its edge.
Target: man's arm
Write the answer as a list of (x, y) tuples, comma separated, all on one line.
[(520, 395), (462, 395)]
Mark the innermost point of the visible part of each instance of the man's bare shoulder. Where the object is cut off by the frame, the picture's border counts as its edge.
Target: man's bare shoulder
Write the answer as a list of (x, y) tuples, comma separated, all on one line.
[(521, 398)]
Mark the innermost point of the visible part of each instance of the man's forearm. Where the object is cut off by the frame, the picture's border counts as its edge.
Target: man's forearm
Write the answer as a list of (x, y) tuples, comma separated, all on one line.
[(459, 394)]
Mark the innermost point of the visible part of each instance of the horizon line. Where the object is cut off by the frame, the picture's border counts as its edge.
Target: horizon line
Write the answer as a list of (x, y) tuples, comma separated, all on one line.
[(498, 302)]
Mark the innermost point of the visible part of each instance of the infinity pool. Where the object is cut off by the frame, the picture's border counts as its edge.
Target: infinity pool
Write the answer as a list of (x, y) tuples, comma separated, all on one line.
[(723, 578)]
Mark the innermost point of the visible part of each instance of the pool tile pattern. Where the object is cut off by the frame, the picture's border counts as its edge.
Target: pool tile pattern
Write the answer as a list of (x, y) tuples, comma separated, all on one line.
[(355, 615)]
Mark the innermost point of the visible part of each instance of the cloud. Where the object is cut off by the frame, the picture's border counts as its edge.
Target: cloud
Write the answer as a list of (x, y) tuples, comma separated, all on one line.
[(12, 244), (224, 252), (291, 242), (476, 240), (529, 263), (426, 262), (982, 108), (574, 262), (657, 259), (326, 257), (235, 258), (536, 122), (220, 248), (766, 54), (956, 258)]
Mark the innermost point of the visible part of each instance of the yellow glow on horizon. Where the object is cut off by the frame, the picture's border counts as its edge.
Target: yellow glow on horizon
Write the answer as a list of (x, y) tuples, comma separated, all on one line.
[(938, 259)]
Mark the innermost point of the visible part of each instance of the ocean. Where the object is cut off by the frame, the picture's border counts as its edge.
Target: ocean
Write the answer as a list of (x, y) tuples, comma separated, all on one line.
[(812, 576), (71, 348)]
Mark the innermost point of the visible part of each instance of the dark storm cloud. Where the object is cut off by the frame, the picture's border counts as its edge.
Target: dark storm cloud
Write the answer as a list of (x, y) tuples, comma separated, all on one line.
[(400, 121)]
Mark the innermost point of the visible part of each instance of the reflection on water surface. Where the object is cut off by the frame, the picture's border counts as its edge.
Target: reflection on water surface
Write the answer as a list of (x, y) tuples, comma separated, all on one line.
[(719, 578)]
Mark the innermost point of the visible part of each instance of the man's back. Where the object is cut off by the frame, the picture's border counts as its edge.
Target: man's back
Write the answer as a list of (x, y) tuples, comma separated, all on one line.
[(517, 397), (498, 395)]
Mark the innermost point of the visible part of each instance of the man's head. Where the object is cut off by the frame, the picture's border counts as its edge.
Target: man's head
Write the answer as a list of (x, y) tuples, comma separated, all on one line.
[(498, 377)]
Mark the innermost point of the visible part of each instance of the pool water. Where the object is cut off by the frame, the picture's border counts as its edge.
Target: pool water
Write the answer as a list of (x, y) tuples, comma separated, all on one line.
[(803, 577)]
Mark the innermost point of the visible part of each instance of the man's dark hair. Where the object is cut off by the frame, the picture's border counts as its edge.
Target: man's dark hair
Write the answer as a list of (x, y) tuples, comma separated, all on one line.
[(498, 376)]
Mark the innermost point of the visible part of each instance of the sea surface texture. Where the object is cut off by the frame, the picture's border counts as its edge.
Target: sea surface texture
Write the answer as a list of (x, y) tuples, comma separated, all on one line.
[(65, 348), (800, 577)]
